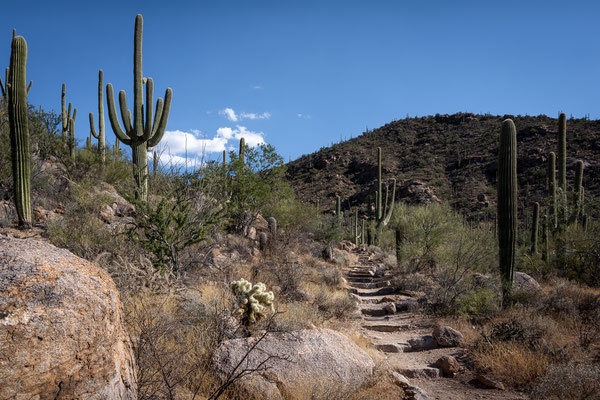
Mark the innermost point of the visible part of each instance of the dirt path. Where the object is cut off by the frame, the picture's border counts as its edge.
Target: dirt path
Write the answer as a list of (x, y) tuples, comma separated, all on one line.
[(405, 337)]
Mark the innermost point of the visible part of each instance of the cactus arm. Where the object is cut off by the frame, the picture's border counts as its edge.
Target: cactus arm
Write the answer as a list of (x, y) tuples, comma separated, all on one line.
[(126, 114), (112, 116), (149, 100), (157, 115), (92, 128), (29, 86), (138, 123), (74, 114), (160, 131)]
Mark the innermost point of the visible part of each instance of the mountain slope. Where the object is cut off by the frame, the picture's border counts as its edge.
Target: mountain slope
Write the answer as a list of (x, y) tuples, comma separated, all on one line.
[(454, 155)]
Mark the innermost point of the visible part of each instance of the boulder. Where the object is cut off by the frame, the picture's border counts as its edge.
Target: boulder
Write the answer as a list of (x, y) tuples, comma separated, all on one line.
[(421, 343), (525, 283), (61, 327), (291, 362), (448, 365), (447, 337)]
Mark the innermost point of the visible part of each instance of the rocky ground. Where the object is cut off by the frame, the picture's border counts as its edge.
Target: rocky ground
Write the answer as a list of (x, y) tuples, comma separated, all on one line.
[(426, 359)]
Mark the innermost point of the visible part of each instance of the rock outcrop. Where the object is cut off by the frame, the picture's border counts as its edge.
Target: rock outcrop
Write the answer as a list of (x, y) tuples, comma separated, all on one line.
[(61, 332), (294, 362)]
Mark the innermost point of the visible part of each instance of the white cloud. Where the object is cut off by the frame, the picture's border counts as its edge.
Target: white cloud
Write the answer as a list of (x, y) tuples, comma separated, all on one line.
[(303, 116), (230, 114), (257, 87), (178, 146), (264, 115)]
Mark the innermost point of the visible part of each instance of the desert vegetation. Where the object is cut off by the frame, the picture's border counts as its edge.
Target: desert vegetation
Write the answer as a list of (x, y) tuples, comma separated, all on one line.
[(231, 250)]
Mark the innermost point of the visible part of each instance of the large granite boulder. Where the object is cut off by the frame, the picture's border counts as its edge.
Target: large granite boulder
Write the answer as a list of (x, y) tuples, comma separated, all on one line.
[(61, 328), (295, 362)]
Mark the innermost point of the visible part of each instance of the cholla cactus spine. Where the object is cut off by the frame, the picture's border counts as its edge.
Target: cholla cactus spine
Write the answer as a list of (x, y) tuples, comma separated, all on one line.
[(252, 301)]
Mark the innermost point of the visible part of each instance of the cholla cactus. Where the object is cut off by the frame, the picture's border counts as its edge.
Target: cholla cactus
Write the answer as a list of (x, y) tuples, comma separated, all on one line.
[(252, 301)]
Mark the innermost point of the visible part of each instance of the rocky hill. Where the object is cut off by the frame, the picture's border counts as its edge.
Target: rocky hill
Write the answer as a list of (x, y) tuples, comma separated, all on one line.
[(450, 157)]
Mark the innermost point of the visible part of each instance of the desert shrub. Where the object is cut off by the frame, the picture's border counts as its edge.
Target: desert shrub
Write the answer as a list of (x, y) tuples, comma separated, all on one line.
[(571, 381), (446, 259), (334, 304), (80, 229), (331, 277), (168, 225), (578, 254)]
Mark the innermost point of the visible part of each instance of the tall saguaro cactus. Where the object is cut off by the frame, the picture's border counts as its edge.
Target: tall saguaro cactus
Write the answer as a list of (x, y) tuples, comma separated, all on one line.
[(562, 168), (383, 211), (507, 203), (535, 228), (578, 211), (100, 135), (66, 114), (3, 87), (19, 130), (242, 153), (143, 134), (552, 189)]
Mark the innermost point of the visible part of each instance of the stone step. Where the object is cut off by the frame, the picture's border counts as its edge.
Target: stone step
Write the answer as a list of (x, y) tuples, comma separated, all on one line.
[(385, 291), (392, 327), (390, 347), (359, 279), (373, 311), (420, 372), (370, 285)]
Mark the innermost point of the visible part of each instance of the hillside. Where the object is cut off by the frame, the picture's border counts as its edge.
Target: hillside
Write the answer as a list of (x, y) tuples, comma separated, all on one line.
[(453, 155)]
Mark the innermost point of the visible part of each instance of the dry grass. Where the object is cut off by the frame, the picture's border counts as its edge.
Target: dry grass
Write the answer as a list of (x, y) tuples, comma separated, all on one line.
[(512, 363)]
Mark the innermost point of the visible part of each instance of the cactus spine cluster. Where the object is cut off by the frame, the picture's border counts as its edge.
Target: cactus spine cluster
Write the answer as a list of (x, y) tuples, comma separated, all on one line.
[(100, 135), (252, 301), (535, 227), (19, 130), (507, 203), (143, 134)]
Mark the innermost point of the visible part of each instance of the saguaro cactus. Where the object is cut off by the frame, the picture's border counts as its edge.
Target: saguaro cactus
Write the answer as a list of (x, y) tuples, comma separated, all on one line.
[(552, 189), (578, 190), (507, 203), (242, 154), (71, 139), (19, 130), (383, 211), (66, 114), (100, 134), (4, 87), (357, 234), (272, 226), (338, 209), (143, 134), (399, 238), (535, 227), (562, 168)]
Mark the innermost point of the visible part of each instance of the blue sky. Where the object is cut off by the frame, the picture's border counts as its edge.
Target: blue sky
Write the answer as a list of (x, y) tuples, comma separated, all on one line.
[(300, 75)]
